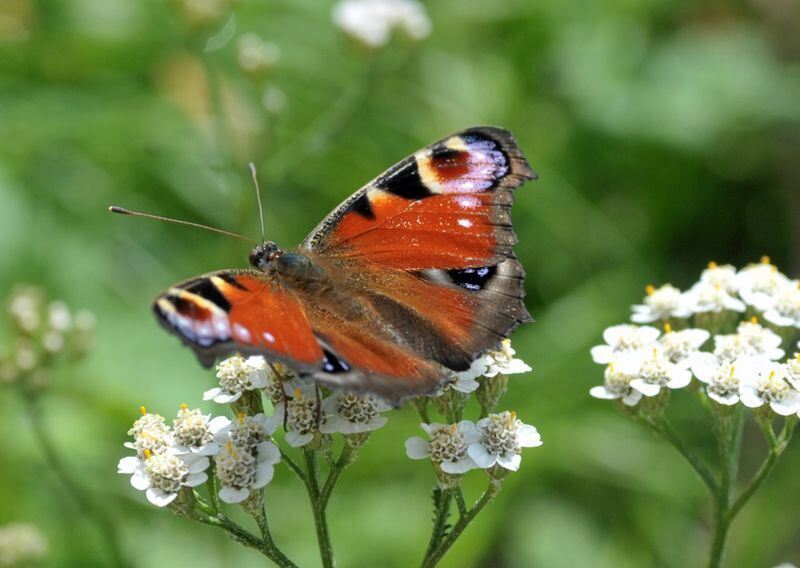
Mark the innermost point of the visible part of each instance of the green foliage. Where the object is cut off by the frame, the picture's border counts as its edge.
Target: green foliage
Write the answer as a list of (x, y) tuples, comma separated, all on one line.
[(665, 135)]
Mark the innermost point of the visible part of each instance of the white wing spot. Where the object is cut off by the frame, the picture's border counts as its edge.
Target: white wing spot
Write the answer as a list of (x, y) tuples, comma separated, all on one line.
[(269, 337), (466, 223)]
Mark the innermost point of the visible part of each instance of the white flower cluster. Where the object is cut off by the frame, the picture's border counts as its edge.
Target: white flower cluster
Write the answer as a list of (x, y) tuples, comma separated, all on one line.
[(298, 405), (497, 439), (22, 544), (502, 361), (740, 367), (170, 458), (45, 330), (372, 21), (760, 286)]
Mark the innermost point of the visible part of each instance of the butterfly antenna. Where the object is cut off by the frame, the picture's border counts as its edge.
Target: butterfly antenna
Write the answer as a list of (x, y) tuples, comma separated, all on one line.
[(123, 211), (258, 198)]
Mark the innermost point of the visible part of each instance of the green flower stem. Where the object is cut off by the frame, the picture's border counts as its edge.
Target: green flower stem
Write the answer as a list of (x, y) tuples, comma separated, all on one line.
[(661, 426), (88, 507), (728, 431), (441, 512), (266, 546), (320, 520), (463, 522), (345, 459), (290, 463), (459, 497), (777, 446)]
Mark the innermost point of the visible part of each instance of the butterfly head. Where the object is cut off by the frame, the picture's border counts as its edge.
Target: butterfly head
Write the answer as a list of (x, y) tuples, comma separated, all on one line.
[(264, 254)]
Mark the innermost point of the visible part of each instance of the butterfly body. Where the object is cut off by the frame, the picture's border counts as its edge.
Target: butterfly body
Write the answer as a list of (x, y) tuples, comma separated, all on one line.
[(410, 277)]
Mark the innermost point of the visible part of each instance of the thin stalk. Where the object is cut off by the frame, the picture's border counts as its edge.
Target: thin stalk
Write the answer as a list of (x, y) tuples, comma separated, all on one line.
[(463, 522), (82, 497), (441, 512), (320, 520), (665, 429), (333, 475)]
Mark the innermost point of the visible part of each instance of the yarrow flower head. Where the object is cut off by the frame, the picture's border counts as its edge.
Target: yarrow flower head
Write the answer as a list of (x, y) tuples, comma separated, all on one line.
[(661, 304), (655, 371), (236, 375), (499, 362), (759, 283), (161, 476), (22, 544), (501, 438), (793, 370), (723, 276), (352, 414), (193, 432), (750, 339), (623, 339), (784, 309), (679, 346), (241, 470), (722, 377), (245, 432), (150, 434), (767, 382), (617, 384), (372, 21), (712, 297), (447, 446), (301, 414)]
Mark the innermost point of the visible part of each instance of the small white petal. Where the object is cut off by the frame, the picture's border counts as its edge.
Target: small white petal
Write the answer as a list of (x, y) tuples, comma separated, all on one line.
[(417, 448), (268, 453), (680, 379), (647, 389), (602, 354), (632, 398), (728, 400), (482, 458), (159, 497), (298, 440), (510, 461), (140, 481), (231, 495), (128, 465), (704, 365), (603, 393), (458, 467), (264, 474), (749, 397), (528, 436), (195, 479)]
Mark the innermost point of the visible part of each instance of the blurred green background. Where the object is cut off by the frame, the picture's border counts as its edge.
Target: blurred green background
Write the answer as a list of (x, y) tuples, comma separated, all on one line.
[(666, 134)]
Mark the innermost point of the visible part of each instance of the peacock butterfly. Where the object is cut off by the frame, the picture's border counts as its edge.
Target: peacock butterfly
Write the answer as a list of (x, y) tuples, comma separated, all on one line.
[(410, 276)]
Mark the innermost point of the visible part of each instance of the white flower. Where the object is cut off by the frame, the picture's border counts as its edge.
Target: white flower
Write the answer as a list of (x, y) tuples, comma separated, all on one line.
[(22, 544), (793, 369), (767, 383), (661, 304), (720, 276), (256, 55), (301, 413), (758, 283), (679, 346), (448, 446), (623, 339), (707, 297), (59, 317), (280, 385), (502, 437), (161, 476), (656, 371), (617, 383), (372, 21), (722, 378), (784, 309), (493, 363), (467, 381), (750, 339), (193, 432), (236, 375), (352, 414), (150, 434), (241, 470), (246, 432)]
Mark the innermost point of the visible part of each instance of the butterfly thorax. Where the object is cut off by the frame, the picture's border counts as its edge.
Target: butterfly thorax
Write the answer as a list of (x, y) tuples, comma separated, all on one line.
[(295, 269)]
